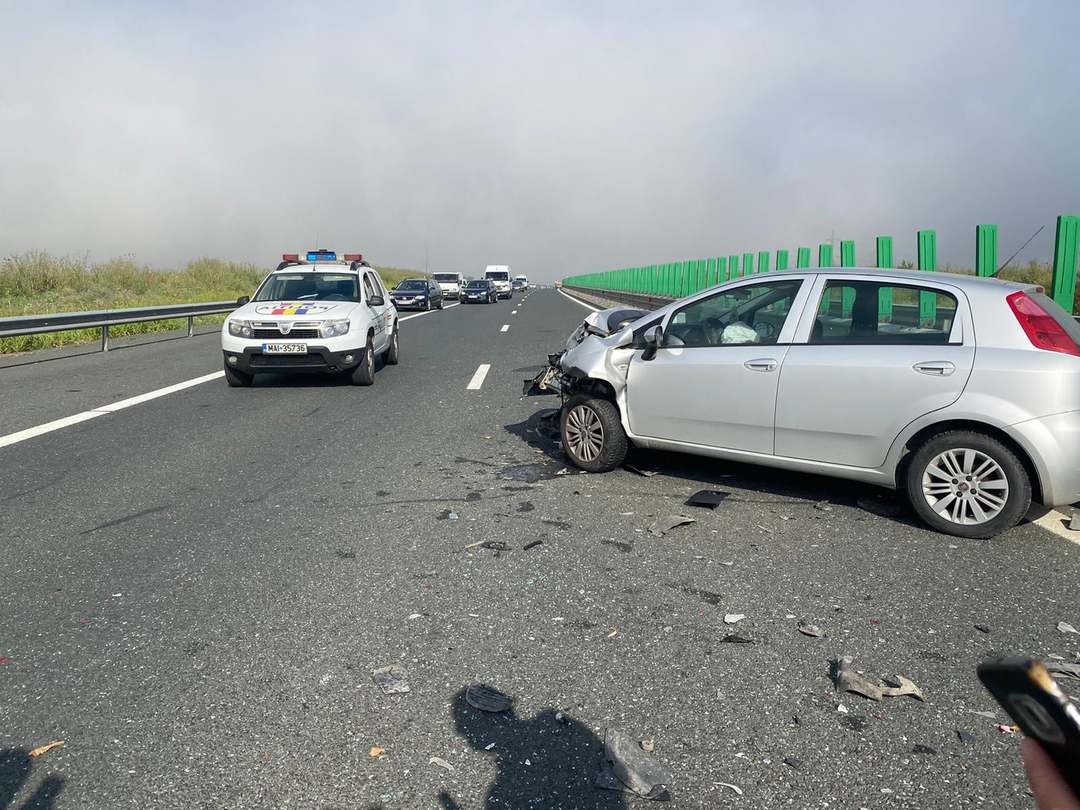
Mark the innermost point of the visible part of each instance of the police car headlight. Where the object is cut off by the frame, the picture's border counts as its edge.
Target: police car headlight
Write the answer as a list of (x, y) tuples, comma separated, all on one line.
[(240, 329), (334, 328)]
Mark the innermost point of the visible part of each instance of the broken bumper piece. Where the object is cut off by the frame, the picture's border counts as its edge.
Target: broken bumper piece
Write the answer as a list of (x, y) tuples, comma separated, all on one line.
[(550, 380)]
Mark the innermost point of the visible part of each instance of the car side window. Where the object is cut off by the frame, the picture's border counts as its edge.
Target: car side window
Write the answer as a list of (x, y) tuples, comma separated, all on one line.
[(369, 290), (743, 316), (882, 313)]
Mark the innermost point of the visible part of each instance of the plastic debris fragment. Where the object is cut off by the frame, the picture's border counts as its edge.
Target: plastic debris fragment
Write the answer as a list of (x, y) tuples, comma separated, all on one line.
[(733, 618), (1065, 627), (487, 698), (442, 763), (391, 679), (663, 525), (626, 767), (811, 630), (707, 498)]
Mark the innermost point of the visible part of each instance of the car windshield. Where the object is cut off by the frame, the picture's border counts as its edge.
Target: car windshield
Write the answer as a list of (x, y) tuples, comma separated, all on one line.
[(499, 276), (451, 277), (412, 284), (476, 285), (308, 286)]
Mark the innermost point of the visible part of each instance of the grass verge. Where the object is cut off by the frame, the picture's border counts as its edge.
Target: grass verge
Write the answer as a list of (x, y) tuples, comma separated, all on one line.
[(39, 283)]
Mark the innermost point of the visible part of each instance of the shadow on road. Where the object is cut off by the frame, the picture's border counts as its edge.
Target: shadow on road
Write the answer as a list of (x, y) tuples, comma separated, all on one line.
[(15, 767), (563, 759)]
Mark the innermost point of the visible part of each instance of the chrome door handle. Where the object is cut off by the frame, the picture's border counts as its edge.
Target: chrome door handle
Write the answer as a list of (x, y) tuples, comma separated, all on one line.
[(763, 364), (937, 368)]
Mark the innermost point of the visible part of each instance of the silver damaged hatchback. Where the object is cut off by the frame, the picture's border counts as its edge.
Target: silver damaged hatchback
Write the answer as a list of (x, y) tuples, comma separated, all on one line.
[(962, 391)]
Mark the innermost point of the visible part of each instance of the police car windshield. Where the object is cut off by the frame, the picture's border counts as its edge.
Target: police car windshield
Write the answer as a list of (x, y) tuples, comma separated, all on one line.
[(412, 284), (308, 286)]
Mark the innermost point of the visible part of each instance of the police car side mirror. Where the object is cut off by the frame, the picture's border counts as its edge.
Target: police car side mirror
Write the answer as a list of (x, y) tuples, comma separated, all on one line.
[(375, 301), (243, 299)]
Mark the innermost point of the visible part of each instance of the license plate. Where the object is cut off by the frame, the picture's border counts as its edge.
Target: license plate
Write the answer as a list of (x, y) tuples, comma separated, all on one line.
[(284, 348)]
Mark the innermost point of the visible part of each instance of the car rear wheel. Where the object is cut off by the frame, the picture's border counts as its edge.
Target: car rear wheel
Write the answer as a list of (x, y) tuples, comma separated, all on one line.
[(393, 352), (236, 378), (968, 484), (592, 434), (364, 374)]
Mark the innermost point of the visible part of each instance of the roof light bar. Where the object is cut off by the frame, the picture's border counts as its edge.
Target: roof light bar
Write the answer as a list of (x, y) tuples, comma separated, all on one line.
[(290, 257), (354, 257), (321, 256)]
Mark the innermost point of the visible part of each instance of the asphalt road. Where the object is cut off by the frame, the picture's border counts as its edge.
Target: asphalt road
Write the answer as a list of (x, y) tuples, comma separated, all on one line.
[(196, 590)]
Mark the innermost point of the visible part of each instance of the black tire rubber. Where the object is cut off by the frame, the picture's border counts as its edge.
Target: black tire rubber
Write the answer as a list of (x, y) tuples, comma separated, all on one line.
[(393, 351), (238, 379), (364, 374), (1019, 483), (614, 443), (440, 303)]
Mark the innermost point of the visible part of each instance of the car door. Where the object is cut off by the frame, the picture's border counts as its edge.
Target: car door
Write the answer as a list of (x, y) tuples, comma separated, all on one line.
[(713, 380), (867, 361), (382, 315)]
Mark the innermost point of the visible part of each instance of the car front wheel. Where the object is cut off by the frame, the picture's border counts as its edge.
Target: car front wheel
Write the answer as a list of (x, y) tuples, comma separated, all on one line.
[(592, 434), (393, 352), (968, 484), (364, 374)]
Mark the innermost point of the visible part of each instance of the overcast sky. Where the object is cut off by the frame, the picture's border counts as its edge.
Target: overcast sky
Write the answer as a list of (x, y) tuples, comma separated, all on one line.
[(558, 138)]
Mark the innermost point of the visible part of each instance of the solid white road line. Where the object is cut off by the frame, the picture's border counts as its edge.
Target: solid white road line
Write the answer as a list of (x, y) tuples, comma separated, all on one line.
[(576, 301), (478, 377), (505, 327), (113, 407)]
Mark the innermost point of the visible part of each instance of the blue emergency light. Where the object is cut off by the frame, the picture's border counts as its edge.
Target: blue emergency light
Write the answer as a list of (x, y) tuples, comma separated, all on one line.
[(321, 256)]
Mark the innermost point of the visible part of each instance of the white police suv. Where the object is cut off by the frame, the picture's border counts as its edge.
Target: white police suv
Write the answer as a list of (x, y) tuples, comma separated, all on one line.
[(316, 313)]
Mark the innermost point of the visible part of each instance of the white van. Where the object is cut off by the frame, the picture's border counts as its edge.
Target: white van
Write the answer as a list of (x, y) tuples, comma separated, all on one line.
[(450, 284), (500, 275), (521, 283)]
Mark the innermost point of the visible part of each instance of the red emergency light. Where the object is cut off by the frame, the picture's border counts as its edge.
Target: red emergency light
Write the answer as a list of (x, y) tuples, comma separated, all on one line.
[(290, 257), (354, 257)]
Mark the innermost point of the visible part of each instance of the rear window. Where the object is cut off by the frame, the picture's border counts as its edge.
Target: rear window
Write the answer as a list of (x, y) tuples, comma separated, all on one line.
[(1058, 313)]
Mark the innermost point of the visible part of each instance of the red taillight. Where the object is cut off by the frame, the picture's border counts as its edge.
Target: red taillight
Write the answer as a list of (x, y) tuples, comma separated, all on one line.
[(1042, 330), (290, 257), (354, 257)]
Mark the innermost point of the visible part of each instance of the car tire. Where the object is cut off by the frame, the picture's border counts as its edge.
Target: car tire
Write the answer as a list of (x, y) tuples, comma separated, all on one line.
[(393, 351), (972, 468), (440, 303), (238, 379), (592, 434), (364, 374)]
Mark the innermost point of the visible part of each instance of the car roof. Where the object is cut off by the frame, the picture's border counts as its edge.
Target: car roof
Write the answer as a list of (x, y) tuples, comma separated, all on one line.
[(337, 267), (914, 276)]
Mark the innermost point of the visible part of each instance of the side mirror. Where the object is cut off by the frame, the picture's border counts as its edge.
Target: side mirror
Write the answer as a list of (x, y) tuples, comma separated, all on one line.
[(243, 299), (376, 301), (653, 339)]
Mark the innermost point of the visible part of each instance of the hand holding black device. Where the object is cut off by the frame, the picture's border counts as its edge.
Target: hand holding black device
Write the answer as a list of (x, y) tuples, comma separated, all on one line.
[(1043, 711)]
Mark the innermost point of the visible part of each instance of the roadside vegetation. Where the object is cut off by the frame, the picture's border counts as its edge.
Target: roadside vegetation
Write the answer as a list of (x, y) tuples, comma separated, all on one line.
[(39, 283)]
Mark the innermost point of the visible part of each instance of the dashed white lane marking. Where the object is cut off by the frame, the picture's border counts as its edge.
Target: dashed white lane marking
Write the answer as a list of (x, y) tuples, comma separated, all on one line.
[(1056, 522), (113, 407), (576, 301), (505, 327), (478, 377), (514, 312)]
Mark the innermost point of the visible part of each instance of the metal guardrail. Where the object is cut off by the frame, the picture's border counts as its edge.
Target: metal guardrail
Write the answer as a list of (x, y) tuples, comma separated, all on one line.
[(103, 319)]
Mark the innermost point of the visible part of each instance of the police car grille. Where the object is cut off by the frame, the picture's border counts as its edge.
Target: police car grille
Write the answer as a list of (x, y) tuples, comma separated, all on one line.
[(276, 334)]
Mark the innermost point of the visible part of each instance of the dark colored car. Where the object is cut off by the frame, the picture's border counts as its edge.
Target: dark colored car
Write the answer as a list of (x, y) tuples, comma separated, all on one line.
[(417, 293), (479, 291)]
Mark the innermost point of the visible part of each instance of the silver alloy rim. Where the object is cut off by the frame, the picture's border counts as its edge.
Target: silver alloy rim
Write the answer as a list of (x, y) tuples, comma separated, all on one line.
[(965, 486), (584, 432)]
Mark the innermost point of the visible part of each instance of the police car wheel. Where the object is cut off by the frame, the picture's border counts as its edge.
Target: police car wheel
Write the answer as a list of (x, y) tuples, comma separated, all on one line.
[(364, 374), (393, 353), (237, 379)]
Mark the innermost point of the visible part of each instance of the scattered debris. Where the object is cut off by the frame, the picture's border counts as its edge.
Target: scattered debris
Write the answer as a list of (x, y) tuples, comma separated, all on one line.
[(489, 746), (811, 630), (446, 514), (391, 679), (470, 497), (794, 762), (733, 618), (707, 498), (639, 471), (1065, 627), (525, 506), (881, 505), (823, 506), (983, 628), (415, 616), (626, 767), (613, 633), (737, 638), (1056, 667), (663, 525), (727, 564), (44, 749), (923, 749), (487, 698), (562, 718), (842, 709), (442, 763), (532, 544), (1007, 729), (648, 746), (736, 788), (376, 752), (849, 680), (965, 736), (4, 661), (477, 544), (989, 715)]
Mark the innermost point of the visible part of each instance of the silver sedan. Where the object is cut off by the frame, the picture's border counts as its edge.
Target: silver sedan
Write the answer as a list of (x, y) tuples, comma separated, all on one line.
[(962, 391)]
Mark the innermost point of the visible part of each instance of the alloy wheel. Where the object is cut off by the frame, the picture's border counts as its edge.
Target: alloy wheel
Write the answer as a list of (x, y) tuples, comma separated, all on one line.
[(965, 486), (584, 432)]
